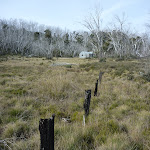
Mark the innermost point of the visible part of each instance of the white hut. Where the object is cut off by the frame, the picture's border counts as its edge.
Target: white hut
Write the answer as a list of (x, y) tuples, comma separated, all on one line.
[(85, 54)]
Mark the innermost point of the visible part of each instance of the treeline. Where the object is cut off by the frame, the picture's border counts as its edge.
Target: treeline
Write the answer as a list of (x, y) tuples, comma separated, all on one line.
[(28, 38)]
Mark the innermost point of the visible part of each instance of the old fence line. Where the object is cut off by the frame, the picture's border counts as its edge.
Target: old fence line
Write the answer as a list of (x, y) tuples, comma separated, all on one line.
[(46, 126)]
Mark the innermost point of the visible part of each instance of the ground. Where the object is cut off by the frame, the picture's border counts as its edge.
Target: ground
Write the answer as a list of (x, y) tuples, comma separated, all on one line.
[(34, 88)]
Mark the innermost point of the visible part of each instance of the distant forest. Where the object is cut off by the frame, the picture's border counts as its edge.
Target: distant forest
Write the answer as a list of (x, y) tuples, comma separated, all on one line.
[(31, 39)]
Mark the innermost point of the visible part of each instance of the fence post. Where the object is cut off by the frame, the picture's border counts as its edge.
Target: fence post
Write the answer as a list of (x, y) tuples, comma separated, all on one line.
[(100, 76), (96, 88), (46, 128), (87, 101)]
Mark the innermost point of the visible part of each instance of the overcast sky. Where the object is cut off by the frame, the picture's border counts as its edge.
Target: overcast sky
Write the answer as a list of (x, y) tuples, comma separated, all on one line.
[(68, 13)]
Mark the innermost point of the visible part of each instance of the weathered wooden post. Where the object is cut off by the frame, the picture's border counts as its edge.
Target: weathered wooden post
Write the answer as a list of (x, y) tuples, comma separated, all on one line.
[(86, 104), (100, 76), (46, 128), (96, 88), (87, 101)]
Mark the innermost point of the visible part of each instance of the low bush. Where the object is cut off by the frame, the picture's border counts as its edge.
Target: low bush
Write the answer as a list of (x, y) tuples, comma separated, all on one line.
[(19, 91), (146, 77), (18, 129), (102, 60)]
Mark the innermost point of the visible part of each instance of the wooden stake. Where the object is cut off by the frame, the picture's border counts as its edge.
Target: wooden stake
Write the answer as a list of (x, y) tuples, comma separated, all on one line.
[(96, 88), (87, 101), (100, 76), (46, 128)]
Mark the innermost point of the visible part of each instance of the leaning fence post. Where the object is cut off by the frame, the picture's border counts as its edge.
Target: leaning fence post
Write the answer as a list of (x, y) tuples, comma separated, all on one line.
[(86, 104), (100, 76), (96, 88), (87, 101), (46, 128)]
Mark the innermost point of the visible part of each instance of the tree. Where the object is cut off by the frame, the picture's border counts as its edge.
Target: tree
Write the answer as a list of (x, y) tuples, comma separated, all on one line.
[(120, 37), (94, 24), (48, 35), (36, 36), (79, 38), (66, 39), (14, 37)]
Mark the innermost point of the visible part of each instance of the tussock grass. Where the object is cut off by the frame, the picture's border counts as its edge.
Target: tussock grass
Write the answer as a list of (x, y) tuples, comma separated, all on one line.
[(31, 88)]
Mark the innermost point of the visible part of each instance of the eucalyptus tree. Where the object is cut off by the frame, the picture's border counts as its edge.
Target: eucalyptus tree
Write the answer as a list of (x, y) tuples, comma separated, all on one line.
[(119, 34), (145, 45), (58, 42), (136, 45), (14, 37), (94, 24)]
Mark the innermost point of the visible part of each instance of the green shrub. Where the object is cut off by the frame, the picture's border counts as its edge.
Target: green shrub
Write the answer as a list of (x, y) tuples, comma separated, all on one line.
[(6, 75), (102, 60), (77, 116), (68, 66), (83, 141), (9, 131), (114, 105), (123, 128), (3, 82), (135, 146), (18, 129), (84, 65), (94, 103), (87, 69), (41, 63), (12, 115), (130, 77), (58, 132), (4, 58), (76, 106), (137, 104), (61, 114), (119, 71), (101, 139), (113, 126), (15, 112), (120, 58), (44, 109), (19, 91), (146, 77), (22, 129)]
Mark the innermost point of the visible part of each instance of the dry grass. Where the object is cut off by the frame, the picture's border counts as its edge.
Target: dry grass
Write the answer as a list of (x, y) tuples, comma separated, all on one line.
[(31, 89)]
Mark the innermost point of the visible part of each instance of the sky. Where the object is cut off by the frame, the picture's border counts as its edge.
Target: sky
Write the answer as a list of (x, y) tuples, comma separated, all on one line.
[(69, 14)]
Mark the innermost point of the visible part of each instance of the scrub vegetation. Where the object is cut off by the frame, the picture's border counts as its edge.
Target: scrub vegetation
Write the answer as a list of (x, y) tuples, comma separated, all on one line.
[(33, 88)]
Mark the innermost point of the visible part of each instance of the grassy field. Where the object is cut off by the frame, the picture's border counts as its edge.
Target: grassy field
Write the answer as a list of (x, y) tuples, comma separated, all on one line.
[(34, 88)]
